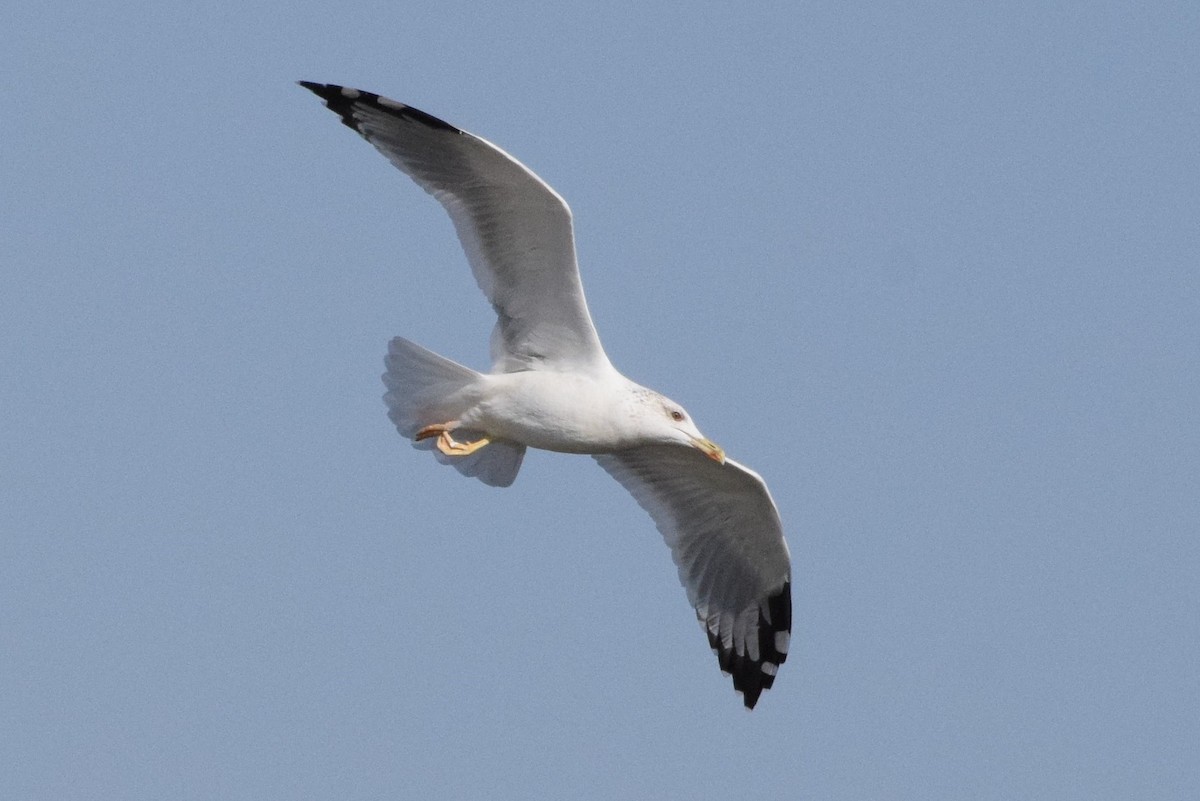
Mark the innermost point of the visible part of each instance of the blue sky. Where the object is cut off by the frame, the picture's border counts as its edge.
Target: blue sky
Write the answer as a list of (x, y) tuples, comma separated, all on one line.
[(931, 269)]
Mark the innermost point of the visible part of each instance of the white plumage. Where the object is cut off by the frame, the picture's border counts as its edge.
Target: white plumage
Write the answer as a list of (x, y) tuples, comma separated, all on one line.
[(553, 387)]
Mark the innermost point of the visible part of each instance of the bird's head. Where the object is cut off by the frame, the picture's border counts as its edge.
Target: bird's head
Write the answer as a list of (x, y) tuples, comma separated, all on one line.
[(672, 424)]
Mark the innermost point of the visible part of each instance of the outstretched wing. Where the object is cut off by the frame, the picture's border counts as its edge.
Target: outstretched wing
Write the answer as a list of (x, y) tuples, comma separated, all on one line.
[(725, 536), (515, 229)]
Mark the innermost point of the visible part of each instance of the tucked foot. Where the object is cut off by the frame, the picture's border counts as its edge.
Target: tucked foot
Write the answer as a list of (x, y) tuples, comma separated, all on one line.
[(446, 443)]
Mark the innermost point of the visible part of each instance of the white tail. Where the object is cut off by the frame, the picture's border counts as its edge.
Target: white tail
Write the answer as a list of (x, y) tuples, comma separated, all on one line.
[(426, 389)]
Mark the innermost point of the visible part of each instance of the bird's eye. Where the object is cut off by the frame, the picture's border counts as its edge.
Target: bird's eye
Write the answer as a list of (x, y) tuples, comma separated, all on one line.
[(677, 415)]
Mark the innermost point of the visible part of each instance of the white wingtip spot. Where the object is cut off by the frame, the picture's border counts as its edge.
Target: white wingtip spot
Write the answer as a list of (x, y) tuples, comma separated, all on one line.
[(350, 93), (387, 102), (770, 668), (782, 640)]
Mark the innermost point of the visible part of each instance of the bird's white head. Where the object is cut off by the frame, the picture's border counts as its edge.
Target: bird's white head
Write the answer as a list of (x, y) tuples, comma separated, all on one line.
[(670, 423)]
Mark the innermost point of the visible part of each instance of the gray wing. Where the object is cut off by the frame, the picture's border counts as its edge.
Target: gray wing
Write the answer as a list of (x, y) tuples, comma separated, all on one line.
[(515, 229), (725, 536)]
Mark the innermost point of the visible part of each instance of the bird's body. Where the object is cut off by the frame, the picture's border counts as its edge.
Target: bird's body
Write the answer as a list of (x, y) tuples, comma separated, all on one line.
[(552, 387), (564, 412)]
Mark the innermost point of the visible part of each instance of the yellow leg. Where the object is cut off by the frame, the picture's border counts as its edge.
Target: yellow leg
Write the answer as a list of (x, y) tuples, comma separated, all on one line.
[(447, 444)]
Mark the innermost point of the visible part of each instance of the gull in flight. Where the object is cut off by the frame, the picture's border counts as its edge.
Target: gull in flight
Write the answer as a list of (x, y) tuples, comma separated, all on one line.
[(552, 387)]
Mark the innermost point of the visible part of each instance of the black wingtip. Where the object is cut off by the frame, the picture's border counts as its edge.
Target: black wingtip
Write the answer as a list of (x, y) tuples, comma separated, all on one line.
[(326, 91), (342, 101), (752, 676)]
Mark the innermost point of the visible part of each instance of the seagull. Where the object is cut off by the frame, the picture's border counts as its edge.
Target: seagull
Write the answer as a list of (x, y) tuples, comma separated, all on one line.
[(552, 387)]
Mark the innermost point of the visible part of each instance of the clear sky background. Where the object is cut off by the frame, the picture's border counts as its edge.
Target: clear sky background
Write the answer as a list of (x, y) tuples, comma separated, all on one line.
[(933, 269)]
